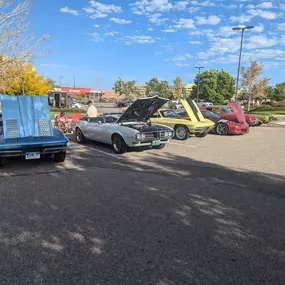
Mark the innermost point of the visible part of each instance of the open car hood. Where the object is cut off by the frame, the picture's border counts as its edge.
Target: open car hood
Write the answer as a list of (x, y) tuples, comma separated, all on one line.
[(142, 109), (25, 116), (192, 110), (238, 111)]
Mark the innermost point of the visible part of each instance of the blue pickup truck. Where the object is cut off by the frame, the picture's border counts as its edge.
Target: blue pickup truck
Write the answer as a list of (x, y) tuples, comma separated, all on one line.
[(26, 129)]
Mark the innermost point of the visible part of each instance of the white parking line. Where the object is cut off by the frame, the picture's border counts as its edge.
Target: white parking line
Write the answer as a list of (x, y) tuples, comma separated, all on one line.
[(180, 144)]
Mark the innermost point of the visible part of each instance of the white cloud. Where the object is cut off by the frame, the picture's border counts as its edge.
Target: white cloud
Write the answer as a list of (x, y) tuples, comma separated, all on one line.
[(111, 34), (169, 30), (142, 7), (195, 43), (196, 33), (265, 5), (181, 57), (96, 26), (254, 42), (227, 31), (120, 21), (100, 10), (281, 27), (95, 37), (184, 23), (69, 11), (150, 29), (181, 5), (241, 19), (183, 64), (204, 4), (155, 19), (53, 65), (268, 15), (139, 39), (193, 10), (211, 20)]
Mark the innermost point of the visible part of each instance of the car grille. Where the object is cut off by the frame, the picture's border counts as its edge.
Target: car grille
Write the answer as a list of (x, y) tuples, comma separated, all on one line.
[(155, 136)]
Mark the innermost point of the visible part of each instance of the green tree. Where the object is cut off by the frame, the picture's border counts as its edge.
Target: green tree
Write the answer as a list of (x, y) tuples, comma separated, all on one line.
[(126, 89), (280, 91), (158, 87), (215, 86), (178, 88)]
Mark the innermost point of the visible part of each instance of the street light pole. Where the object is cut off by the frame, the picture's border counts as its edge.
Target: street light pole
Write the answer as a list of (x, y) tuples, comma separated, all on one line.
[(240, 54), (60, 80), (198, 84)]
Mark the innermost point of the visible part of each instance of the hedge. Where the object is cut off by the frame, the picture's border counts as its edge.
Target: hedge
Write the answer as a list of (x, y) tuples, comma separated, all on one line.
[(68, 110)]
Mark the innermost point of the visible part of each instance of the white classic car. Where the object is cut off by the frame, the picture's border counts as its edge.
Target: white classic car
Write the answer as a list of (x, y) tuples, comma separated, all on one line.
[(128, 130)]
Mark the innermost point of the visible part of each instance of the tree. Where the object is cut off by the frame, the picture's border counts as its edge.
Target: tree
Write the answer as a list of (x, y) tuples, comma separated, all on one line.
[(251, 81), (16, 46), (127, 89), (215, 86), (178, 88), (280, 91), (160, 88), (34, 84)]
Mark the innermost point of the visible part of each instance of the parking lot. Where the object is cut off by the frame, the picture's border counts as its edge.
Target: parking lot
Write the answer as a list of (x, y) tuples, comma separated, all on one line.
[(202, 211)]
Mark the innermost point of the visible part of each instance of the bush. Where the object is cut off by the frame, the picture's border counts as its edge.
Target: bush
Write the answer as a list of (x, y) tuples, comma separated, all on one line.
[(68, 110)]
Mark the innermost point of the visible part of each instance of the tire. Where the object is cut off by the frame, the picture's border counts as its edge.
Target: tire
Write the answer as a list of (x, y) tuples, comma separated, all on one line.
[(181, 133), (80, 138), (59, 157), (159, 146), (201, 135), (1, 162), (222, 129), (118, 144)]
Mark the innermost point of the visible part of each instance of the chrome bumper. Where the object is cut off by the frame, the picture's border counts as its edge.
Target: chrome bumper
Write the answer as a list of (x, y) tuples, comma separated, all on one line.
[(20, 152)]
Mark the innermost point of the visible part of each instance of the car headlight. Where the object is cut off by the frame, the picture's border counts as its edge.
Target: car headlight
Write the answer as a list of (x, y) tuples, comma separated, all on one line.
[(170, 134), (140, 137)]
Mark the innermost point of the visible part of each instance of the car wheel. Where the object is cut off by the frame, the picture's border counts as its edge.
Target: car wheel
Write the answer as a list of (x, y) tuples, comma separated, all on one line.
[(159, 146), (222, 129), (1, 161), (119, 145), (60, 157), (80, 138), (201, 135), (181, 133)]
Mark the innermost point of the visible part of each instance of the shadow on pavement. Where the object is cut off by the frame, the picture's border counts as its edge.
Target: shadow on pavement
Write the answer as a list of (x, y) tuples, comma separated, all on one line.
[(155, 219)]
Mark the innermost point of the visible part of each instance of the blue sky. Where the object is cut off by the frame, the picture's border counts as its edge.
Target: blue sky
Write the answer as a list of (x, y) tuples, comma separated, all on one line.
[(98, 41)]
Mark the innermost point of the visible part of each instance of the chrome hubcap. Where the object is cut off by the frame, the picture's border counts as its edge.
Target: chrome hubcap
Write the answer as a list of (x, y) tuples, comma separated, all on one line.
[(181, 133), (221, 129), (117, 144)]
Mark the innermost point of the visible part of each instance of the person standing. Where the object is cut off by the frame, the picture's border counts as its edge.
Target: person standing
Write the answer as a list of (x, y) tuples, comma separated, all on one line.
[(92, 111)]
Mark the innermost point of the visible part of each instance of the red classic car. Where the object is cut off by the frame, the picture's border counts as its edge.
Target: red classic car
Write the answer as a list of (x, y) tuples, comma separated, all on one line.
[(226, 112), (225, 127)]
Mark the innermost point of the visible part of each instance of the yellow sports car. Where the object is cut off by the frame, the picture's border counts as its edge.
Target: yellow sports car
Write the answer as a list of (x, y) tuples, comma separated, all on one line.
[(196, 124)]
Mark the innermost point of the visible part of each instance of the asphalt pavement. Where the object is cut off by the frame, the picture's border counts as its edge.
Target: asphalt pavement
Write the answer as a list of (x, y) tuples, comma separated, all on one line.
[(204, 211)]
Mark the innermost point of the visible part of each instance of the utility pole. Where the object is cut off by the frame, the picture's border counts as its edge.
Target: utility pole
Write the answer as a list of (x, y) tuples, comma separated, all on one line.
[(74, 81), (23, 85), (198, 84), (240, 53), (60, 80)]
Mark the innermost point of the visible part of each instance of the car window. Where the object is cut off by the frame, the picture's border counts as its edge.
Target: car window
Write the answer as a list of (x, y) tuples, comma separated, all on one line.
[(226, 110), (214, 110), (111, 118), (155, 115), (169, 114), (96, 120), (209, 114)]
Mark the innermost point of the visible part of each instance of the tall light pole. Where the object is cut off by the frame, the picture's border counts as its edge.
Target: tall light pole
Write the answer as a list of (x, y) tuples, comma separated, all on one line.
[(198, 84), (60, 80), (240, 52)]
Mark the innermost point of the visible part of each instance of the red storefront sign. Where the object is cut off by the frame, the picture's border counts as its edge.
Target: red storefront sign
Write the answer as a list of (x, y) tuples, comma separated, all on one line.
[(76, 91)]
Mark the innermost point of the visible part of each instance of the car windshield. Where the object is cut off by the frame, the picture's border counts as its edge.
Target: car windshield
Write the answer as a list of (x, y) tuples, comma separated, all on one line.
[(112, 118), (169, 114), (209, 114), (226, 110)]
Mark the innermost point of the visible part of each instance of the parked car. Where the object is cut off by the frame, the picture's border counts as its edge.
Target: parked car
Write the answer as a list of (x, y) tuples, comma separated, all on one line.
[(226, 112), (132, 129), (195, 123), (201, 103), (26, 129), (122, 104), (223, 127), (77, 105)]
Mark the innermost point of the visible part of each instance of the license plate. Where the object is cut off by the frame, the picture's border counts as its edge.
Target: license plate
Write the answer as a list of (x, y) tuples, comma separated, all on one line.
[(155, 143), (32, 155)]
